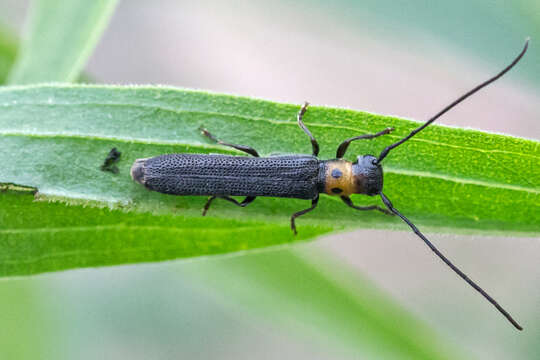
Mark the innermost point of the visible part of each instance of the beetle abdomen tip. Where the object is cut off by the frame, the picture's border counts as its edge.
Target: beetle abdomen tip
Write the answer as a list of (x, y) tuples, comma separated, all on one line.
[(137, 171)]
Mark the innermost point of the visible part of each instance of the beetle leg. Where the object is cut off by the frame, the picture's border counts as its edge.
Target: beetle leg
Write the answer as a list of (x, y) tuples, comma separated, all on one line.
[(314, 143), (244, 148), (244, 202), (342, 148), (347, 200), (302, 212)]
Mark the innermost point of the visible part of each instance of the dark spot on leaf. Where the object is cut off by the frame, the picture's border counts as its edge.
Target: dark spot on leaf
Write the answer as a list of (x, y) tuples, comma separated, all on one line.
[(110, 160)]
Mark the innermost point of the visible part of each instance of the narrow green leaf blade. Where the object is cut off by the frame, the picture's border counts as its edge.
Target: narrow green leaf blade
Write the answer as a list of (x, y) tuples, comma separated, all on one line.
[(24, 318), (55, 137), (8, 51), (60, 36)]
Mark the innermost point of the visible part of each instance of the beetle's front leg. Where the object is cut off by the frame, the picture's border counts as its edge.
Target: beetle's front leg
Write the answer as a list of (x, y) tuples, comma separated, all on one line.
[(347, 200)]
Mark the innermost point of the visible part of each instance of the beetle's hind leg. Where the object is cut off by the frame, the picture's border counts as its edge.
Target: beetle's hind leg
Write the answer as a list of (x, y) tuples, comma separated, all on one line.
[(244, 202), (244, 148), (347, 200), (314, 203)]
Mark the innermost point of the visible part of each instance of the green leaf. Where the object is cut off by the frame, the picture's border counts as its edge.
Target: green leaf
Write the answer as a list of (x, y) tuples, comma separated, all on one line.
[(8, 51), (25, 321), (55, 137), (59, 38)]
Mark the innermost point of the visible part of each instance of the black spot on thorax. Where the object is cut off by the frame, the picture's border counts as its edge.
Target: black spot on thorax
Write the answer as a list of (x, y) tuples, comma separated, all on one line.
[(336, 173)]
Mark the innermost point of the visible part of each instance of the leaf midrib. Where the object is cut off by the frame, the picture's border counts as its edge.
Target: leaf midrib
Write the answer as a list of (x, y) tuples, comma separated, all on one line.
[(429, 175), (388, 169)]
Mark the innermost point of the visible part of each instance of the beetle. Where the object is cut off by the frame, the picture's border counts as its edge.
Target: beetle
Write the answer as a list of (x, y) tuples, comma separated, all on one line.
[(292, 176)]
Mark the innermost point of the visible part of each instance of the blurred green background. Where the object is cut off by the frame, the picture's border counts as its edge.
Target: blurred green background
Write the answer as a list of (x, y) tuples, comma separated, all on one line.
[(406, 58)]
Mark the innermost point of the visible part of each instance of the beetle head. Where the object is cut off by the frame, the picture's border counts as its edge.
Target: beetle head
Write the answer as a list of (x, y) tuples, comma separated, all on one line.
[(368, 175)]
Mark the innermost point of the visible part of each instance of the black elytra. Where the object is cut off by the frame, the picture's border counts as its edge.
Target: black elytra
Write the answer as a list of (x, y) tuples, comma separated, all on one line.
[(291, 176)]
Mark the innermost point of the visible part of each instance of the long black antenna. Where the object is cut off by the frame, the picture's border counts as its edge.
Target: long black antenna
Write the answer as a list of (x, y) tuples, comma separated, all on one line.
[(460, 99), (390, 207)]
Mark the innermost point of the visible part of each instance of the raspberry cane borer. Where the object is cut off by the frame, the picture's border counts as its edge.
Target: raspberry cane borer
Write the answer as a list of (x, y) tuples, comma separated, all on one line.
[(291, 176)]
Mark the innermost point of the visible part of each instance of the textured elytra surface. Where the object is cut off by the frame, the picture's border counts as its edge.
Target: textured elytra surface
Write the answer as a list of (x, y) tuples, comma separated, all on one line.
[(197, 174)]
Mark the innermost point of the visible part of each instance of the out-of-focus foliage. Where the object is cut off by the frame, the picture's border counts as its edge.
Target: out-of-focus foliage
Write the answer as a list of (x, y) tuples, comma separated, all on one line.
[(59, 38)]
